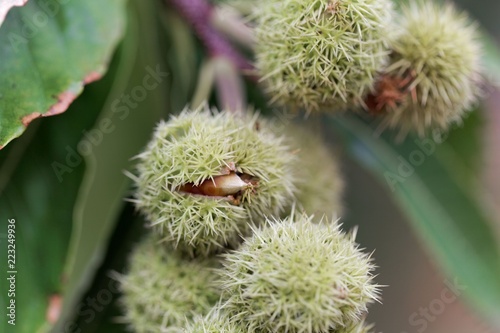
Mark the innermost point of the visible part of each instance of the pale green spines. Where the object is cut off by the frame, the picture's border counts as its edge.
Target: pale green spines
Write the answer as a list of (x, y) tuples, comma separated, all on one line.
[(297, 276), (189, 152), (320, 184), (358, 327), (321, 53), (214, 322), (438, 53), (161, 289)]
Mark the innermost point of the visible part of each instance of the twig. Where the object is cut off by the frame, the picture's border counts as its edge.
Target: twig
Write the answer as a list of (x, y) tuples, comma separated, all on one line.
[(198, 14)]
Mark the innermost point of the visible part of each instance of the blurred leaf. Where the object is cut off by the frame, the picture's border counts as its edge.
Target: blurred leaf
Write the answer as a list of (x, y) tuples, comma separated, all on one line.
[(49, 52), (491, 58), (182, 58), (427, 181), (42, 204), (130, 229), (27, 198), (466, 144), (6, 5), (463, 153), (134, 105)]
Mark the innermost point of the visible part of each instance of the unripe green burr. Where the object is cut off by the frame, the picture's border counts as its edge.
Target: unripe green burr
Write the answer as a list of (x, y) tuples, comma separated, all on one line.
[(320, 184), (214, 322), (321, 54), (358, 327), (161, 289), (206, 175), (434, 74), (297, 276)]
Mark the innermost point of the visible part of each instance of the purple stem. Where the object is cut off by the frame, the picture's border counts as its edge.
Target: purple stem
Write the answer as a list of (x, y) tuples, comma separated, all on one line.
[(197, 13)]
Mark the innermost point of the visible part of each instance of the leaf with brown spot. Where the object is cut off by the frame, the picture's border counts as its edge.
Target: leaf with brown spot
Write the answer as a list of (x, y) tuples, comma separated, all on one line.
[(49, 51)]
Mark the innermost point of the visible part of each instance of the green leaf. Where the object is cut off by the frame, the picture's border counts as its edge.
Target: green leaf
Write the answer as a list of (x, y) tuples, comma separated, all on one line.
[(182, 57), (491, 58), (134, 105), (130, 229), (42, 204), (6, 5), (427, 180), (49, 52)]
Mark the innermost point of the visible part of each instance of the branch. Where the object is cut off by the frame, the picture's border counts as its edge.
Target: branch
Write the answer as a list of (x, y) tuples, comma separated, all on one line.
[(198, 14)]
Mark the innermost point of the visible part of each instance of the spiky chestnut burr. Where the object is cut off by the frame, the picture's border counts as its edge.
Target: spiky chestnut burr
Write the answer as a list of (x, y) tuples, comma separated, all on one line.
[(218, 322), (205, 175), (434, 73), (358, 327), (320, 184), (316, 54), (297, 276), (161, 289), (215, 322)]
